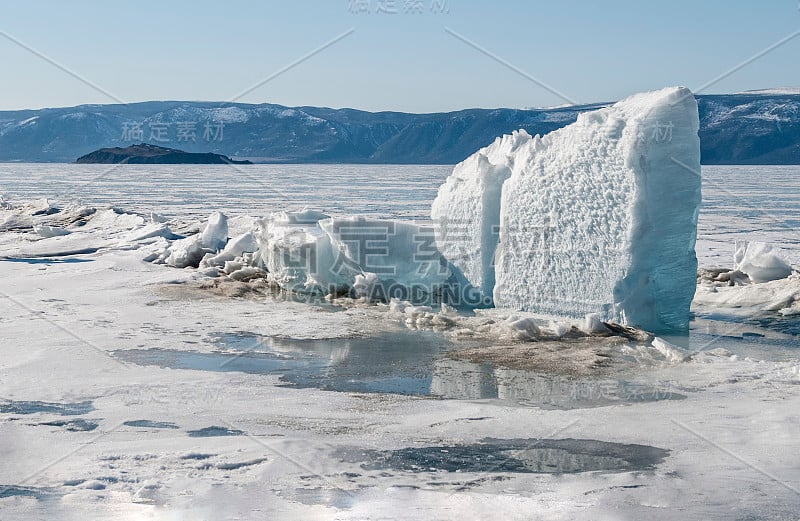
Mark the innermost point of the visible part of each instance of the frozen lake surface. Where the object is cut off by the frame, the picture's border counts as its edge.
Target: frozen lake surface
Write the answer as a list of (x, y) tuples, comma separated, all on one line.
[(400, 191), (739, 202), (130, 390)]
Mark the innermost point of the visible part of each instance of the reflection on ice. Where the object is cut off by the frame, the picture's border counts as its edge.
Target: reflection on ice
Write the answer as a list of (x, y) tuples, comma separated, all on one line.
[(46, 260), (400, 362), (33, 407), (331, 497), (20, 491), (464, 380), (539, 456)]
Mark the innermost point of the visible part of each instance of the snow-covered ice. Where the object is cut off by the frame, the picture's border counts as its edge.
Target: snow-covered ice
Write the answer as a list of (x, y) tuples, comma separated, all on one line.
[(49, 231), (761, 283), (190, 251)]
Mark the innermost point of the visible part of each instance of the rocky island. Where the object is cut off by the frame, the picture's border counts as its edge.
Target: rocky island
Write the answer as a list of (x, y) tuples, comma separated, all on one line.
[(146, 154)]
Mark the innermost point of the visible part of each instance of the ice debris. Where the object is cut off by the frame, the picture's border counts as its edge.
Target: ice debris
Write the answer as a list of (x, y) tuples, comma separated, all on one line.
[(760, 261)]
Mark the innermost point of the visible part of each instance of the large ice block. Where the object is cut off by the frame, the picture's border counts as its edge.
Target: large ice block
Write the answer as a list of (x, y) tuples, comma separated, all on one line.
[(601, 216)]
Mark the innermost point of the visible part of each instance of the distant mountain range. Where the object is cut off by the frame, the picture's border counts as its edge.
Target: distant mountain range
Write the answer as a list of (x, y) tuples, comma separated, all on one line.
[(760, 127)]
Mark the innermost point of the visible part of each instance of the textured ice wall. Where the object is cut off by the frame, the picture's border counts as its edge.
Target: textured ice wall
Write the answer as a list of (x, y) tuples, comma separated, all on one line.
[(466, 211), (601, 216)]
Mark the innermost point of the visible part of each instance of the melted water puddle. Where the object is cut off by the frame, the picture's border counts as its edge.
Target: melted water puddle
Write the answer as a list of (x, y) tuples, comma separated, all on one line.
[(35, 407), (537, 456), (400, 362)]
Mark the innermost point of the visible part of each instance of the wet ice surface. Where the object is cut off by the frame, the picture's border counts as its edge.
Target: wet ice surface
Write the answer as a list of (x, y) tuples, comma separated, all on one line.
[(20, 491), (76, 425), (398, 361), (538, 456), (33, 407), (748, 202), (45, 260), (757, 345), (771, 321), (150, 424), (322, 496), (213, 431)]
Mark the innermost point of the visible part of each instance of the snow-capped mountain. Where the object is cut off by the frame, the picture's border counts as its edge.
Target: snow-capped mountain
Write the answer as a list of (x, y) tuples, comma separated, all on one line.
[(749, 128)]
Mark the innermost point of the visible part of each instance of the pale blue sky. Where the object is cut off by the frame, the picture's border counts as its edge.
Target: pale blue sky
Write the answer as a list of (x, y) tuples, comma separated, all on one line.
[(212, 50)]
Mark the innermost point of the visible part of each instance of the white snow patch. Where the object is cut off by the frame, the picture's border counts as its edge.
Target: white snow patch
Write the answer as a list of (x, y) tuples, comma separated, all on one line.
[(215, 234), (49, 231), (189, 251), (230, 115), (777, 90), (29, 121), (152, 230), (236, 247), (671, 352), (781, 295), (760, 261)]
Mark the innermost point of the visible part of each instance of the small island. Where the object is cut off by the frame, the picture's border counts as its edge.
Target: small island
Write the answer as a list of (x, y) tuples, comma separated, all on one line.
[(145, 154)]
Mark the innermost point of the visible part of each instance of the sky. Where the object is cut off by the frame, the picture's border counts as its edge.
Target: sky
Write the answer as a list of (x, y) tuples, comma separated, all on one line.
[(404, 55)]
